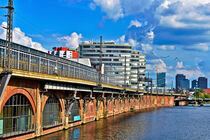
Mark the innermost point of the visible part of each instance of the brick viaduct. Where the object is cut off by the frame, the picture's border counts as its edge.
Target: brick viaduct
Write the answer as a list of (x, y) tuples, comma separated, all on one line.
[(91, 105)]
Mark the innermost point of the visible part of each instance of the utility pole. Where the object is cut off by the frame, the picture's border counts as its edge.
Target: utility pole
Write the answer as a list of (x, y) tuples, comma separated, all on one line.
[(9, 34), (157, 79), (100, 63), (7, 69), (138, 80), (125, 73)]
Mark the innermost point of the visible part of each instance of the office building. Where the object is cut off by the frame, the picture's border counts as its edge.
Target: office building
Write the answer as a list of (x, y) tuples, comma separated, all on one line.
[(118, 60), (179, 78), (161, 79), (202, 82), (185, 84), (194, 84)]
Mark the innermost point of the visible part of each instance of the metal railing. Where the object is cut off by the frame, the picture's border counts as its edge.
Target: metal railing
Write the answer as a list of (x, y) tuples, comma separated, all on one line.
[(28, 59)]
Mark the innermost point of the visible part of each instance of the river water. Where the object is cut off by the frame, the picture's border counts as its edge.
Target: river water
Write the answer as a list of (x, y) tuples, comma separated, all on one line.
[(176, 123)]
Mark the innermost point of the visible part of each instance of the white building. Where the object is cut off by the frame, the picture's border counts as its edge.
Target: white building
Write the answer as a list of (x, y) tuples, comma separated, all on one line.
[(117, 61), (138, 66)]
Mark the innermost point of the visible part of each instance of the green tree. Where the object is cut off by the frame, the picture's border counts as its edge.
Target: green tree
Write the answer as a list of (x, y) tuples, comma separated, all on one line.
[(207, 95), (202, 95), (198, 92)]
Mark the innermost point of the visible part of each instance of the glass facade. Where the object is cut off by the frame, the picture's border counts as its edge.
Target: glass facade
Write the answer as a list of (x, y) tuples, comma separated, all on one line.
[(161, 79)]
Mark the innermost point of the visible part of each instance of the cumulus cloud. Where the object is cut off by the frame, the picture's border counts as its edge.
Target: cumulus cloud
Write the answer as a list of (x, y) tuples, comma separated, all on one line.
[(121, 39), (190, 73), (166, 47), (20, 37), (116, 9), (157, 64), (135, 23), (71, 41), (132, 42), (146, 47), (112, 8), (184, 13)]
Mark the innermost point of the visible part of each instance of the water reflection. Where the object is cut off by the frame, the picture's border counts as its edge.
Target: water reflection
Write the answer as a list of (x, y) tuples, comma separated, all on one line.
[(178, 123)]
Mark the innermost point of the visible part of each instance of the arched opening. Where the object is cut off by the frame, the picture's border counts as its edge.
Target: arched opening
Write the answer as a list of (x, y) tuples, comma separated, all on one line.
[(74, 111), (16, 116), (52, 112)]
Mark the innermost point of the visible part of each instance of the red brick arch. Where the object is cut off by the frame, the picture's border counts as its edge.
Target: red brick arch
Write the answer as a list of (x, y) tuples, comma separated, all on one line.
[(59, 99), (15, 91)]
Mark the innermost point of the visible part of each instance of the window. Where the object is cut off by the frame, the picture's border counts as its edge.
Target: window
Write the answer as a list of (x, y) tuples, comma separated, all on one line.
[(16, 116)]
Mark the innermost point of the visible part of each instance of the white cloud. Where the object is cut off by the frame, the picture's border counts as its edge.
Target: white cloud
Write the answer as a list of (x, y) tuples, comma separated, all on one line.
[(132, 42), (184, 13), (135, 23), (198, 47), (71, 41), (19, 37), (121, 39), (112, 8), (149, 67), (157, 64), (165, 4), (166, 47), (116, 9), (179, 65), (151, 35), (190, 73), (146, 47)]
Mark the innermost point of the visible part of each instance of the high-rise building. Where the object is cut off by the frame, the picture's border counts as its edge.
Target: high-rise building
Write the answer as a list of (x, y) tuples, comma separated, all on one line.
[(194, 84), (179, 77), (161, 79), (202, 82), (185, 84), (137, 64), (118, 60)]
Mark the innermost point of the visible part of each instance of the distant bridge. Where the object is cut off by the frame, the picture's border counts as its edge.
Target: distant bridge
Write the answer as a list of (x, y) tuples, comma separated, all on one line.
[(191, 101)]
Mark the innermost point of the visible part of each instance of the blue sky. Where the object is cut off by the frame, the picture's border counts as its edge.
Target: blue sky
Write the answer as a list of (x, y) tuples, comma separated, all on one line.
[(173, 34)]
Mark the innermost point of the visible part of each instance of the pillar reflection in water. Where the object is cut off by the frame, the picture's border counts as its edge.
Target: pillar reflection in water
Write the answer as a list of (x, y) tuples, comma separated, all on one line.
[(120, 127)]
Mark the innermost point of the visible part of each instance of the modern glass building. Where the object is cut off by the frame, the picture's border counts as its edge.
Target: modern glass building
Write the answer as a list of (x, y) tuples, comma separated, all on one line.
[(185, 84), (194, 84), (161, 79), (179, 77), (202, 82)]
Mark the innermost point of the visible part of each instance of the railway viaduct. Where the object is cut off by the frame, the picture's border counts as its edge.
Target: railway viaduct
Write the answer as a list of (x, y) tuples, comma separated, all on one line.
[(44, 94)]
